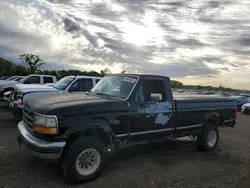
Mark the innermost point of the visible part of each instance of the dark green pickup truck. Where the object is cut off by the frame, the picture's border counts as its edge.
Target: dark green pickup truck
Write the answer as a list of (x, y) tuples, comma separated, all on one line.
[(82, 130)]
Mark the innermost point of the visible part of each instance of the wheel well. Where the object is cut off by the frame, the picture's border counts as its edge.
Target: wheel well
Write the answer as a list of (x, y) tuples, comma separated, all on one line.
[(8, 89), (107, 138), (215, 118)]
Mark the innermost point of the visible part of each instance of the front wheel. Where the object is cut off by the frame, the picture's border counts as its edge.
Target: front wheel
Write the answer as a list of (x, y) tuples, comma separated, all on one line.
[(209, 138), (84, 159)]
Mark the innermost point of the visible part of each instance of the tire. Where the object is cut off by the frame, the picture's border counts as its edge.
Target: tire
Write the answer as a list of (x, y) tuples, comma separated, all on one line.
[(71, 162), (208, 140)]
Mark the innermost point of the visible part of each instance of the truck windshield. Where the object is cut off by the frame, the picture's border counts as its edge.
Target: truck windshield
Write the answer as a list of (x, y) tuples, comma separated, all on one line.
[(23, 79), (115, 86), (63, 83)]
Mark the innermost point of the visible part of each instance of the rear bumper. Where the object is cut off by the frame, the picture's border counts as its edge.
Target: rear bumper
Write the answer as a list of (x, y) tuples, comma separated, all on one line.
[(230, 123), (42, 149)]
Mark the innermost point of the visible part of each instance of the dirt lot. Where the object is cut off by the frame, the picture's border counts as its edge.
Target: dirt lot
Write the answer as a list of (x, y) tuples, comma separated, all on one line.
[(160, 165)]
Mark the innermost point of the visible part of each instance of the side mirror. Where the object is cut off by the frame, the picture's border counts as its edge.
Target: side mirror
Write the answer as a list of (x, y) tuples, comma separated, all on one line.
[(156, 97)]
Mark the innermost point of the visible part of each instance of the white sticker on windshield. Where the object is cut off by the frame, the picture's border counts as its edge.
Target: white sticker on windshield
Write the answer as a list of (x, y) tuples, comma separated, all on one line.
[(128, 79)]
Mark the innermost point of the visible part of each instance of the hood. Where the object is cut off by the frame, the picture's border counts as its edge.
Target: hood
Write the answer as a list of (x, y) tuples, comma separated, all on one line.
[(49, 84), (34, 94), (75, 104), (24, 88)]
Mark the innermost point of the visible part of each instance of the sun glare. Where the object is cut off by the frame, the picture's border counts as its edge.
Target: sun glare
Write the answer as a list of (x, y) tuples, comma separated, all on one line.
[(145, 34)]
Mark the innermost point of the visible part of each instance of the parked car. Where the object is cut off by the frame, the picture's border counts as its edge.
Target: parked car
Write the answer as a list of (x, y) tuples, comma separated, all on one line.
[(82, 130), (6, 86), (11, 78), (240, 100), (245, 108), (67, 84), (18, 78), (4, 77)]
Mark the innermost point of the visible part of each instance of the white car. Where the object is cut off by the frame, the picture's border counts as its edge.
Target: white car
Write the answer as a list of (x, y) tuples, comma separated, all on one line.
[(69, 84), (245, 108), (6, 86)]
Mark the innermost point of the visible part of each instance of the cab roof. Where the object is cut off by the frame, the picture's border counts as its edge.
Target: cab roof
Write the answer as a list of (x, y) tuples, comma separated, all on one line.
[(84, 76), (139, 75)]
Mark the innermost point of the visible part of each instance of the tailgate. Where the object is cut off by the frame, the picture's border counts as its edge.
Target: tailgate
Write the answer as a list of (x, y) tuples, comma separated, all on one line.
[(232, 121)]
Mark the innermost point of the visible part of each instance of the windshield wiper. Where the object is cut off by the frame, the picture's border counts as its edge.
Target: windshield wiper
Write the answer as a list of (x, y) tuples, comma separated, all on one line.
[(103, 94)]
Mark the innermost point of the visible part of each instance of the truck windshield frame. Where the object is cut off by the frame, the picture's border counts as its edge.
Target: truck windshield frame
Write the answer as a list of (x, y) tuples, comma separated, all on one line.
[(63, 83), (112, 85)]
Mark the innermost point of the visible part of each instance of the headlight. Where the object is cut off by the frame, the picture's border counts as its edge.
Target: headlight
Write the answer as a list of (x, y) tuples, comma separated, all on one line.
[(45, 124)]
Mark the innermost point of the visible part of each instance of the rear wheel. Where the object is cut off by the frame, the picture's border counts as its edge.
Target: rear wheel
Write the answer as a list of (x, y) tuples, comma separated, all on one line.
[(209, 138), (84, 159)]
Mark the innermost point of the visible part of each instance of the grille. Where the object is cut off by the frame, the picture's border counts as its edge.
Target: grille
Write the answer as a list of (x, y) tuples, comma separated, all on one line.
[(28, 116)]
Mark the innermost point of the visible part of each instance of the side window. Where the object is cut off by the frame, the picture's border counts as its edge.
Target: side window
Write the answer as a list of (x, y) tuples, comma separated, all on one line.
[(32, 80), (47, 80), (82, 85), (97, 80), (155, 86), (139, 96)]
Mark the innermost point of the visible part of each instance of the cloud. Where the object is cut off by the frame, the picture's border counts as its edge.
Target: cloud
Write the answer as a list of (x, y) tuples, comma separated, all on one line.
[(180, 39)]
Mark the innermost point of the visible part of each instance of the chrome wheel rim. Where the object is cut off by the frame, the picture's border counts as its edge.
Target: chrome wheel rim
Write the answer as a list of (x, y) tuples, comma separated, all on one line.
[(88, 162), (211, 138)]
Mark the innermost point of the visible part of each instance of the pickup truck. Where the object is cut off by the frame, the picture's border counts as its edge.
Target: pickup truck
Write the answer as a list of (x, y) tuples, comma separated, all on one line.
[(7, 86), (122, 110), (69, 84)]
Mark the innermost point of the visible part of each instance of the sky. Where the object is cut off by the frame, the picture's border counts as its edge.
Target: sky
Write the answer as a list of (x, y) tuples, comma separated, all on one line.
[(196, 41)]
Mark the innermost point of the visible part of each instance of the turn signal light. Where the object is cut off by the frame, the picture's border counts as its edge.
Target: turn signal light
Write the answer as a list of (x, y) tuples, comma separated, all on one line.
[(45, 130)]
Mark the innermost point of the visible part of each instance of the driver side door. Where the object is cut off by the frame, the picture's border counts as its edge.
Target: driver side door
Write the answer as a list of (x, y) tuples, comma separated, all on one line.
[(151, 111)]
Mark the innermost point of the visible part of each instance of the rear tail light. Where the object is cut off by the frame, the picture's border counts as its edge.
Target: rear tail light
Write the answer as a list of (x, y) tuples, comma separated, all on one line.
[(236, 112)]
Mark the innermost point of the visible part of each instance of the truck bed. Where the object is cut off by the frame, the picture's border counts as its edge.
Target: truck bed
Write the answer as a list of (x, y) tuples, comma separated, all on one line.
[(191, 108), (201, 98)]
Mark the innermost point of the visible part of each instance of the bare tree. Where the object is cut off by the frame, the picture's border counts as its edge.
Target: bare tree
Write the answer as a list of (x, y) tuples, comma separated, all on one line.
[(105, 71), (33, 62), (123, 71)]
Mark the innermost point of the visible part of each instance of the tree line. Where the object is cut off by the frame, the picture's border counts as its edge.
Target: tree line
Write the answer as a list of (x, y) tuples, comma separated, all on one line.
[(34, 62)]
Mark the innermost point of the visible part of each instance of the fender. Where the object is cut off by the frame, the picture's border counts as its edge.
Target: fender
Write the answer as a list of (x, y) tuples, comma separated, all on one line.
[(99, 128), (214, 117)]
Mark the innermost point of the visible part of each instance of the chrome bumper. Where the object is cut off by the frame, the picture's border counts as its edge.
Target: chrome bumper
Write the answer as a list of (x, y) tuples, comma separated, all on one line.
[(39, 148)]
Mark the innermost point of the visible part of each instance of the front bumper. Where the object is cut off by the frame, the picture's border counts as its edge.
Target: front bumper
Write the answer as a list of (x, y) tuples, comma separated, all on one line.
[(36, 147)]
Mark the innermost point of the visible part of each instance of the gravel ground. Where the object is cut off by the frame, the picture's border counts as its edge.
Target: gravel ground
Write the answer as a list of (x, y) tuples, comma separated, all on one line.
[(175, 165)]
